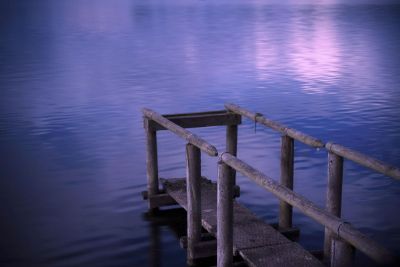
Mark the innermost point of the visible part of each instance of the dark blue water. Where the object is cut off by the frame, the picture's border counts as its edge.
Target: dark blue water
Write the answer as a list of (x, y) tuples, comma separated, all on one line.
[(75, 74)]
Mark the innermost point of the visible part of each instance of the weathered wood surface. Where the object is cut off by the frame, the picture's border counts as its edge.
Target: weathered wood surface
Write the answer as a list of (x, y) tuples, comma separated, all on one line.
[(287, 170), (193, 187), (364, 160), (159, 200), (200, 119), (333, 223), (252, 237), (231, 146), (333, 195), (288, 255), (258, 117), (151, 160), (225, 216), (182, 132)]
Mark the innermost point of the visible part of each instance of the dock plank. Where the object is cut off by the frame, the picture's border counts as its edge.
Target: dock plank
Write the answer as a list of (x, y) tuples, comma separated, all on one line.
[(255, 240), (288, 255)]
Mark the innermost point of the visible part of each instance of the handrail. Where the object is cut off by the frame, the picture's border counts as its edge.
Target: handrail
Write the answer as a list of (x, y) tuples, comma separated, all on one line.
[(182, 132), (339, 150), (340, 227), (258, 117), (364, 160)]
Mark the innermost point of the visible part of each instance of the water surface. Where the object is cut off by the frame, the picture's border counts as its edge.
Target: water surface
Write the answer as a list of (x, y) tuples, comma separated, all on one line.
[(75, 74)]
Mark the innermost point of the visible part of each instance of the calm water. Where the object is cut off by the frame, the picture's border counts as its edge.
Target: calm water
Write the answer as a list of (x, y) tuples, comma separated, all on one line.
[(75, 74)]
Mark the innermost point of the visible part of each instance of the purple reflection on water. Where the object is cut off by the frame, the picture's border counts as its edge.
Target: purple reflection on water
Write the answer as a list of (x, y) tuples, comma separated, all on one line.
[(74, 75)]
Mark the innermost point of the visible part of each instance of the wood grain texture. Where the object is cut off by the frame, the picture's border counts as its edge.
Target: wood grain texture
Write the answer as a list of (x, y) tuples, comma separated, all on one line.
[(333, 195), (287, 170), (182, 132), (364, 160), (347, 232), (257, 117), (200, 119), (193, 187), (249, 232)]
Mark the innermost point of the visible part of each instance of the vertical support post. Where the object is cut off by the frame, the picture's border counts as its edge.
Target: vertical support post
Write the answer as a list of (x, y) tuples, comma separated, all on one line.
[(151, 160), (342, 253), (224, 217), (333, 196), (287, 168), (231, 146), (193, 189)]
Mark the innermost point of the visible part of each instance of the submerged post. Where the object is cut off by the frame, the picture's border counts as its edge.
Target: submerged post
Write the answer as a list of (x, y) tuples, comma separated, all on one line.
[(193, 189), (342, 253), (333, 196), (224, 217), (151, 159), (287, 168), (231, 146)]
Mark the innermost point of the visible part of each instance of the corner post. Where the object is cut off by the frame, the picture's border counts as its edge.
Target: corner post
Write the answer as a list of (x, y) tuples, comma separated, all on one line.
[(151, 160), (287, 169), (333, 196), (231, 147), (193, 189), (224, 217)]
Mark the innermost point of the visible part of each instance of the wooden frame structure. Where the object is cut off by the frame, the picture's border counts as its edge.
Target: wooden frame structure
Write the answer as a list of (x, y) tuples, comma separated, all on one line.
[(338, 234), (177, 123)]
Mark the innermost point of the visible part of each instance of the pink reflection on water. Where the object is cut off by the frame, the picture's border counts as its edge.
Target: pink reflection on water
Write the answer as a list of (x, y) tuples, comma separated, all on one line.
[(305, 47), (265, 53), (315, 56), (99, 17)]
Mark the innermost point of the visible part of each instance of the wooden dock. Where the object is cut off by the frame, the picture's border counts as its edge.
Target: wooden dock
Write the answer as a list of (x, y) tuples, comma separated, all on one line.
[(258, 243), (236, 230)]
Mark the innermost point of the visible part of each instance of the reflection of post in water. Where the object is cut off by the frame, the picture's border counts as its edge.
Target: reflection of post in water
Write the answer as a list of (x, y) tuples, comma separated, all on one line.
[(155, 245), (174, 219)]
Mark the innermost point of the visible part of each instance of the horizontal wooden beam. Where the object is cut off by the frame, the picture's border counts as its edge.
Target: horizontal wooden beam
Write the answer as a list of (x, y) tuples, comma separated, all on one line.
[(166, 217), (200, 119), (333, 223), (364, 160), (258, 117), (159, 200), (193, 139), (207, 247)]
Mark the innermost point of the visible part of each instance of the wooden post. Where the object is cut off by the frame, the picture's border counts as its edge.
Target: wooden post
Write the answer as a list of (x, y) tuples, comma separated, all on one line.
[(224, 217), (151, 160), (361, 242), (193, 189), (231, 146), (287, 167), (333, 196), (342, 253)]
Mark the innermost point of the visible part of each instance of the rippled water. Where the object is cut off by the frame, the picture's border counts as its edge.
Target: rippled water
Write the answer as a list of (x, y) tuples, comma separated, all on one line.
[(75, 74)]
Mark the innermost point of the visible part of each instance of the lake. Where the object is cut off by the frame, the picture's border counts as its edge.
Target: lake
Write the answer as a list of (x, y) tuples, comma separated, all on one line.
[(74, 76)]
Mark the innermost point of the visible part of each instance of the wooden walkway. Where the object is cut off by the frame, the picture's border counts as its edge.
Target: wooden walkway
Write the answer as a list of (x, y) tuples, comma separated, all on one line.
[(258, 243), (240, 232)]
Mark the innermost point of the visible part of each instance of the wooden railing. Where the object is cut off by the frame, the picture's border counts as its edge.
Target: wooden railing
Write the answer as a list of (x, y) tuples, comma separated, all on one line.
[(338, 234), (154, 122), (336, 153), (343, 230)]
